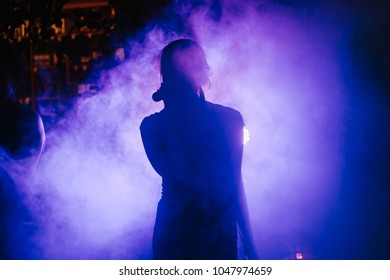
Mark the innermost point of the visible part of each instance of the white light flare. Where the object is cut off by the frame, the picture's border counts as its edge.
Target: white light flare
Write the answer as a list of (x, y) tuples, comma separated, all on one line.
[(246, 135)]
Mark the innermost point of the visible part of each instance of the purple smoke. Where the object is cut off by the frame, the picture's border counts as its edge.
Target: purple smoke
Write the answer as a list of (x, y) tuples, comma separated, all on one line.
[(95, 194)]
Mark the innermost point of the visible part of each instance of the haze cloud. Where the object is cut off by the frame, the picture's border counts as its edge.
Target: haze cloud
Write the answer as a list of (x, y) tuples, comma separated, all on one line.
[(95, 194)]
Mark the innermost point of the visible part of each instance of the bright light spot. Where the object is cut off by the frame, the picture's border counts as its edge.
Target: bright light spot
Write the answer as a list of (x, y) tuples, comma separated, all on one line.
[(299, 256), (246, 135)]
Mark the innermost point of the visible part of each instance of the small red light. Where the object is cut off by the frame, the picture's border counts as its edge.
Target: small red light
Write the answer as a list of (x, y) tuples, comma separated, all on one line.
[(299, 256)]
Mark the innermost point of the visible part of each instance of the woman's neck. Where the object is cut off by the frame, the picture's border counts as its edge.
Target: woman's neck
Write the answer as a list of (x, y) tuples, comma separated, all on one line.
[(182, 94)]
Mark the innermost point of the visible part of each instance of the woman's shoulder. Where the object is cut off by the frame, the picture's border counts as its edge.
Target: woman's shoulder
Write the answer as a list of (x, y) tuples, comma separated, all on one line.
[(227, 113), (151, 120)]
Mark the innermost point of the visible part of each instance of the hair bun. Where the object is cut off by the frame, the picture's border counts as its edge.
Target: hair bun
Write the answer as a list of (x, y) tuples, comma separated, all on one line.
[(158, 96)]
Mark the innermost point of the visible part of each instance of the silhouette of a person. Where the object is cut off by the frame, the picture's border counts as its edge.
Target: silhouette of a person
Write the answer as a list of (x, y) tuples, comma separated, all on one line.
[(196, 147), (21, 141)]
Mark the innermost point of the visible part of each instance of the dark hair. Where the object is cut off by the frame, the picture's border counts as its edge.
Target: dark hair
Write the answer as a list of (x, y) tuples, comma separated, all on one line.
[(186, 58)]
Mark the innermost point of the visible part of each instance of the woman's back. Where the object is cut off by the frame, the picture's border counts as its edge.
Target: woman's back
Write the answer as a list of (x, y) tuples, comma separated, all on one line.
[(196, 147), (198, 206)]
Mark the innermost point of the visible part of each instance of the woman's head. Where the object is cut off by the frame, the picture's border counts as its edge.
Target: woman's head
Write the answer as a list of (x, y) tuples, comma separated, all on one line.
[(184, 59)]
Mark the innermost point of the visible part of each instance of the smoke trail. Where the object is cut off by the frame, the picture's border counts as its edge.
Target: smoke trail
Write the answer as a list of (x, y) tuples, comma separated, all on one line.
[(94, 179)]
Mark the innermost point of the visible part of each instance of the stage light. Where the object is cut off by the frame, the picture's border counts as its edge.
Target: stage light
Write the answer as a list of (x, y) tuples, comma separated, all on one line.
[(246, 135)]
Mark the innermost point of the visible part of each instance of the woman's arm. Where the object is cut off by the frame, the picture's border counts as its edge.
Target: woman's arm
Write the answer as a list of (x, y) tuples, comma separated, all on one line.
[(156, 149), (153, 144), (244, 224), (243, 221)]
